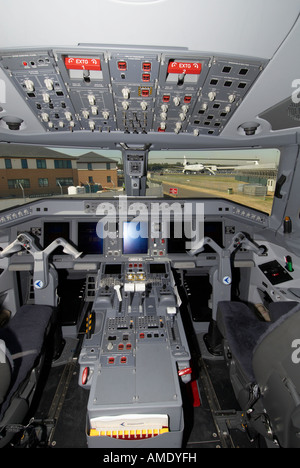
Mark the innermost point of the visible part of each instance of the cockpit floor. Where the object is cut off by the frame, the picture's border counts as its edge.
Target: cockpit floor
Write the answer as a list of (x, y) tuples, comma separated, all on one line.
[(213, 424)]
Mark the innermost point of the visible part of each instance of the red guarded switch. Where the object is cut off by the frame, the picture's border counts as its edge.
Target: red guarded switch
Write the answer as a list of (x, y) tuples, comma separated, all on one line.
[(189, 68), (82, 63)]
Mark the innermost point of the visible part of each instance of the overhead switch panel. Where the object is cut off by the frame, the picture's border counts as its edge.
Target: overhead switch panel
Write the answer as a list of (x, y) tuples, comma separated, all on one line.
[(130, 91)]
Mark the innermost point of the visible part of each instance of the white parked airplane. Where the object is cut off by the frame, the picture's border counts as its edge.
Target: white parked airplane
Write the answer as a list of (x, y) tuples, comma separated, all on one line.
[(189, 168)]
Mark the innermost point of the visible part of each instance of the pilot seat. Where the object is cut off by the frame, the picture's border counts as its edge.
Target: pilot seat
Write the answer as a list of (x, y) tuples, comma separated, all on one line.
[(23, 345), (264, 368)]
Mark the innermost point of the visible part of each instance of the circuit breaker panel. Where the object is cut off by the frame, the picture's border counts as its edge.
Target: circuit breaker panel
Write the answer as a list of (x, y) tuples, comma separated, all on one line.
[(129, 91), (133, 357)]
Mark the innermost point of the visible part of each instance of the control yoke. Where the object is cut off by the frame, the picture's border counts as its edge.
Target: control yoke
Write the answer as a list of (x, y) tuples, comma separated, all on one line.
[(238, 241), (41, 269)]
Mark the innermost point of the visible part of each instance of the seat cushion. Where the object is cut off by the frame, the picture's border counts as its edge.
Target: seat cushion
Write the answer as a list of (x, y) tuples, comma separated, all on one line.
[(6, 366), (241, 328), (278, 309), (24, 337)]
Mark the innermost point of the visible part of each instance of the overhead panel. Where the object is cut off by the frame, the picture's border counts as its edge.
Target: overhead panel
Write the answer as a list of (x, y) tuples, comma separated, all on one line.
[(129, 91), (37, 78), (225, 86), (134, 85), (87, 78)]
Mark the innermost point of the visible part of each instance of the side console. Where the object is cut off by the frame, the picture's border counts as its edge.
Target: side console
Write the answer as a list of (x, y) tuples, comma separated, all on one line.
[(133, 356)]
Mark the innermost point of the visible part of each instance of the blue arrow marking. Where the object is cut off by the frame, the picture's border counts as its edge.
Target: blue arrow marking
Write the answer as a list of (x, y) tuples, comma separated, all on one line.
[(227, 280), (38, 284)]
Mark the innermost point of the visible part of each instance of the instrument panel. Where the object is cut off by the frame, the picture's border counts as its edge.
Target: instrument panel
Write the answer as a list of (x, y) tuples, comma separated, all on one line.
[(144, 231), (126, 227)]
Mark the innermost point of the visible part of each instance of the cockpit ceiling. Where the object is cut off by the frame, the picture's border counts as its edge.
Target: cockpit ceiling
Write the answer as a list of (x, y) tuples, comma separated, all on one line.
[(177, 92), (254, 29)]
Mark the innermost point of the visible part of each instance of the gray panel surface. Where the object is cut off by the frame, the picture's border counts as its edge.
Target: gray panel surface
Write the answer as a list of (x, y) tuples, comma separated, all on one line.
[(114, 386), (155, 377)]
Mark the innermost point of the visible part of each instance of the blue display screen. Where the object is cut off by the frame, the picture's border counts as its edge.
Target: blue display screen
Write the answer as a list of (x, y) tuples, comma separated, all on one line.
[(135, 237), (88, 240)]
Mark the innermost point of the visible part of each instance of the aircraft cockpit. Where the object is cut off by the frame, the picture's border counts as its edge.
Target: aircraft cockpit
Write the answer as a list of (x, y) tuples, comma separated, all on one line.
[(149, 227)]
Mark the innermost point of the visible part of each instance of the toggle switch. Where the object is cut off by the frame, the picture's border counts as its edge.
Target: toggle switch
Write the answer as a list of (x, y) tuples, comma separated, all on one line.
[(29, 85), (126, 93), (68, 116), (49, 84), (46, 98), (91, 99), (45, 117)]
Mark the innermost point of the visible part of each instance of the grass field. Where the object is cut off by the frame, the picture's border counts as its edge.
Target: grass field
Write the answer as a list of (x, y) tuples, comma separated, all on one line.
[(201, 185)]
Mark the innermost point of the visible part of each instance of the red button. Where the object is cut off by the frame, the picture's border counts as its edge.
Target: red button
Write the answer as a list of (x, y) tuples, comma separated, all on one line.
[(122, 66), (146, 66)]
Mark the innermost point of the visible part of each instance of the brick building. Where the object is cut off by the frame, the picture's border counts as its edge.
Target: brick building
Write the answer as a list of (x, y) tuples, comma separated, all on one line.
[(96, 169), (33, 170)]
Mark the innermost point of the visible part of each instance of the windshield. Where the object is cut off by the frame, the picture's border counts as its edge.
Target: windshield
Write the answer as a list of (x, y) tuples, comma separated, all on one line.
[(244, 176)]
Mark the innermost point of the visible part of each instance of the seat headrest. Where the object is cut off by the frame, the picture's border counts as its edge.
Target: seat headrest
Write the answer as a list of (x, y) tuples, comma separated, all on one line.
[(6, 365)]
